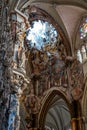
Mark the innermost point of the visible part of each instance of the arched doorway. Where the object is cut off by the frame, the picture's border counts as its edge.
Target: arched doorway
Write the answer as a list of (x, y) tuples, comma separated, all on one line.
[(70, 116), (56, 113)]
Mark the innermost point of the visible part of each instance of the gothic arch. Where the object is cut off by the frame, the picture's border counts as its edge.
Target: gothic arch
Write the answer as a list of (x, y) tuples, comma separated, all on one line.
[(48, 101)]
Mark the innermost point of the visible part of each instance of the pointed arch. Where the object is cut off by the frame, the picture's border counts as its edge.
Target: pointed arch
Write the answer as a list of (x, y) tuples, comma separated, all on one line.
[(48, 100)]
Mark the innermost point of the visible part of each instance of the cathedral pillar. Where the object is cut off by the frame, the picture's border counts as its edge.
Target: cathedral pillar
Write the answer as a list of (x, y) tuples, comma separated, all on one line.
[(76, 121), (79, 122), (79, 117), (34, 120), (74, 124)]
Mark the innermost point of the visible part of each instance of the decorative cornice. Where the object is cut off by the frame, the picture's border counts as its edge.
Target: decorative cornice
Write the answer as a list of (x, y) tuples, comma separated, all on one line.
[(22, 74)]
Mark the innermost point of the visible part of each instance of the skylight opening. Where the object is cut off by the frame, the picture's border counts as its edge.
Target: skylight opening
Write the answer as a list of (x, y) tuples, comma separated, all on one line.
[(40, 34)]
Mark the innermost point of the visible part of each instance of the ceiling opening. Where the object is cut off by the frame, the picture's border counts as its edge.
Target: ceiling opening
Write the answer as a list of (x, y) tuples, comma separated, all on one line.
[(40, 34)]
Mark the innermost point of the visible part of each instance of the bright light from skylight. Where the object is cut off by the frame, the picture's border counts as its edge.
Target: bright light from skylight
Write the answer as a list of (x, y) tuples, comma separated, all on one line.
[(40, 34)]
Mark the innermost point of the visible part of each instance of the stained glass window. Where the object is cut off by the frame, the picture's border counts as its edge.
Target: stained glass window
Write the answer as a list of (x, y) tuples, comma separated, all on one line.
[(83, 28), (41, 33), (82, 51), (79, 56)]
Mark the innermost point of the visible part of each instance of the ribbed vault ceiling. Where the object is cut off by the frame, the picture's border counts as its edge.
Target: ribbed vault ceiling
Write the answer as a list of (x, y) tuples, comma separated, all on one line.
[(70, 16), (58, 116)]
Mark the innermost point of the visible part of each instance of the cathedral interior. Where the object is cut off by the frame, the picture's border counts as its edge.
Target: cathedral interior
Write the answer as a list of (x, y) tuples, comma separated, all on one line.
[(43, 64)]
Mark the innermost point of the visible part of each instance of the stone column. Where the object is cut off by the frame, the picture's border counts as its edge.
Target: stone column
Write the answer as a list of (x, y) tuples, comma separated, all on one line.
[(74, 123), (34, 120), (80, 123)]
